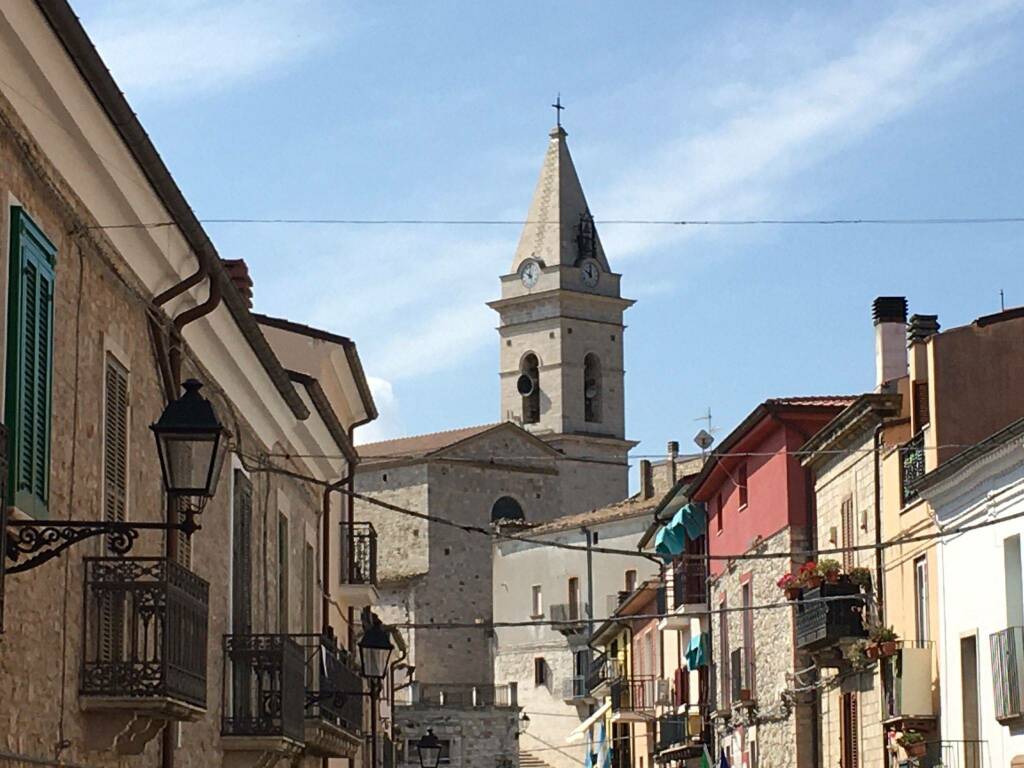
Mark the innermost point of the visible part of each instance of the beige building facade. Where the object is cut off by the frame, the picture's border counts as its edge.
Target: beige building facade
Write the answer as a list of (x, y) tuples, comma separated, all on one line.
[(161, 655)]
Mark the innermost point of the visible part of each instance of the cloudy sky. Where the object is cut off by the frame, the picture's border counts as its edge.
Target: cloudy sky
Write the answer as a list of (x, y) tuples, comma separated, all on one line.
[(680, 110)]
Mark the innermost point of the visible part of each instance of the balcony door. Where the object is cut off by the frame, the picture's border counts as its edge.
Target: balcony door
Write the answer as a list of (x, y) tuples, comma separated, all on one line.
[(241, 588), (969, 700)]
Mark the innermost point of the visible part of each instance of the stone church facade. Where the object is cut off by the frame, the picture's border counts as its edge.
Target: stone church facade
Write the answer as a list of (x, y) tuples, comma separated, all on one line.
[(558, 449)]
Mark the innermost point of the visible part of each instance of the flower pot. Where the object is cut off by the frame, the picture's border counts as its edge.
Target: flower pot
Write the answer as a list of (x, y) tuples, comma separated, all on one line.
[(813, 582), (917, 749), (888, 648), (871, 651), (792, 593), (832, 577)]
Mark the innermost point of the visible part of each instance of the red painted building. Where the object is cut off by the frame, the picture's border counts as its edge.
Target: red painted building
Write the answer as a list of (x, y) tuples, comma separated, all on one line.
[(760, 501)]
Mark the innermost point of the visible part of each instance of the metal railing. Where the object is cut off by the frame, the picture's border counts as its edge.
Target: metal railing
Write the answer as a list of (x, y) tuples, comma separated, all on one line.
[(672, 730), (264, 687), (911, 467), (633, 694), (1007, 649), (821, 623), (969, 753), (605, 670), (145, 631), (689, 583), (333, 687), (574, 688), (359, 553), (461, 695), (741, 668)]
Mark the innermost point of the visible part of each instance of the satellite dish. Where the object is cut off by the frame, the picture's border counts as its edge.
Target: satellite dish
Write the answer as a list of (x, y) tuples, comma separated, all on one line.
[(525, 385), (703, 439)]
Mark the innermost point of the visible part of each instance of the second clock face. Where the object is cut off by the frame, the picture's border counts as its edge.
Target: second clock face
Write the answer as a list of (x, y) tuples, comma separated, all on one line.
[(529, 273), (590, 273)]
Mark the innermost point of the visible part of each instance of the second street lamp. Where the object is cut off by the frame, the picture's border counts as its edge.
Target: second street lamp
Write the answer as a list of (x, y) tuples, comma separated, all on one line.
[(375, 649), (429, 750)]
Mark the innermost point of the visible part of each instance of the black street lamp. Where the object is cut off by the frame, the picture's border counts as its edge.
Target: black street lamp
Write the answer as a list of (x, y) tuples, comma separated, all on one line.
[(190, 443), (429, 749), (375, 649)]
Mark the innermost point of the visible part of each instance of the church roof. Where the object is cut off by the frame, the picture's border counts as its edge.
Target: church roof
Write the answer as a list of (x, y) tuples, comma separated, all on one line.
[(558, 206), (417, 446), (634, 506)]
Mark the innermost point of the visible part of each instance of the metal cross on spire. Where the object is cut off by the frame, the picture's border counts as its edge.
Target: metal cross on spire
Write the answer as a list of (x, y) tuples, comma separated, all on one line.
[(558, 110)]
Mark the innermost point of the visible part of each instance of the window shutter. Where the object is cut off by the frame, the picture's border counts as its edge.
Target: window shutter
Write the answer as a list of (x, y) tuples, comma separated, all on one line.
[(115, 442), (309, 592), (241, 571), (282, 574), (29, 369), (848, 533)]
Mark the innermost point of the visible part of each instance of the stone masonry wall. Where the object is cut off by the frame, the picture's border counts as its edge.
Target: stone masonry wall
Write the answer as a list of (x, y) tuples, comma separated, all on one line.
[(850, 475), (99, 307), (779, 729), (482, 737)]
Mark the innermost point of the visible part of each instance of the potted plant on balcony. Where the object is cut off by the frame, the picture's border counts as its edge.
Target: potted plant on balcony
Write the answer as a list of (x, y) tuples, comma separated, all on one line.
[(858, 656), (809, 576), (884, 638), (830, 570), (913, 744), (789, 584), (861, 577)]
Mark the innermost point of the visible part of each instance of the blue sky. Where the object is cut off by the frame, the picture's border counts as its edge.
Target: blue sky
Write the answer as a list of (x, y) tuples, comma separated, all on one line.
[(680, 110)]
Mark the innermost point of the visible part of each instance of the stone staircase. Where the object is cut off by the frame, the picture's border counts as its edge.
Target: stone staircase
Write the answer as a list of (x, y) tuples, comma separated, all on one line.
[(527, 760)]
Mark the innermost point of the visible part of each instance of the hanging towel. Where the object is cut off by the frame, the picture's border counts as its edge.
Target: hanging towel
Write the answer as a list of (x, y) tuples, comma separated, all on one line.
[(697, 651)]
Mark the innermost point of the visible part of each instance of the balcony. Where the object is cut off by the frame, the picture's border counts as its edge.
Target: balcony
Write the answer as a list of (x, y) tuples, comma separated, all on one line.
[(358, 564), (741, 676), (572, 618), (1007, 654), (680, 737), (907, 686), (687, 596), (603, 672), (334, 704), (826, 625), (264, 694), (144, 649), (911, 468), (460, 696), (634, 698), (576, 691)]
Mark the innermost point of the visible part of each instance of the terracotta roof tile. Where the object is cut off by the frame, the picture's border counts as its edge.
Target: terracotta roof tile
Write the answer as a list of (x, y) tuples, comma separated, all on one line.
[(634, 506), (419, 445)]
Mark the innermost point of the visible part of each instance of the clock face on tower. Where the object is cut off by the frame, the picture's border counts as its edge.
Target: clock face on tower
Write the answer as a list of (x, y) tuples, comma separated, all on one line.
[(590, 273), (529, 273)]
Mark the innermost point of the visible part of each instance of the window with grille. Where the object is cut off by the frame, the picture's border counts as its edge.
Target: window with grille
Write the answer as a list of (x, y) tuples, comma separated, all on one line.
[(31, 281)]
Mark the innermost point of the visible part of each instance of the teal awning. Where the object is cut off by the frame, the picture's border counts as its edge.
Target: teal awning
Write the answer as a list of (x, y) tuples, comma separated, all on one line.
[(697, 651), (688, 521)]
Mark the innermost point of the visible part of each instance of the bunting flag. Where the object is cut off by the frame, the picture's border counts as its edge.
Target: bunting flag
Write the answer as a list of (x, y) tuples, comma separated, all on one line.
[(705, 758)]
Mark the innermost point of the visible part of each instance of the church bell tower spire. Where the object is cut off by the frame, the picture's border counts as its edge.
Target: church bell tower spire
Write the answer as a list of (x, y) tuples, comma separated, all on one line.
[(561, 328)]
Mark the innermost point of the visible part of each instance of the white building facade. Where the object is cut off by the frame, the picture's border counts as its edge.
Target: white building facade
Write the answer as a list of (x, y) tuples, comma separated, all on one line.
[(981, 601)]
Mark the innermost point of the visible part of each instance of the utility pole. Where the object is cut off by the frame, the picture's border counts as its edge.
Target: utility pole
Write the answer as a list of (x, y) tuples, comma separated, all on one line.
[(590, 583)]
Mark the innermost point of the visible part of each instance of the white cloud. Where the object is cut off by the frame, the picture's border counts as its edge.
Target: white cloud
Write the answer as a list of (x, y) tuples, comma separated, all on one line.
[(177, 47), (389, 423)]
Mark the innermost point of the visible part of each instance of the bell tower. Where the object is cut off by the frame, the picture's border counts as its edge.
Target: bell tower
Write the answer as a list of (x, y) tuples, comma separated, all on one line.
[(561, 332)]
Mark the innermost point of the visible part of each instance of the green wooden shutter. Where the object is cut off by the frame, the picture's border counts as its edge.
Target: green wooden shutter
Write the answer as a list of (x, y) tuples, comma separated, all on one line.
[(115, 442), (29, 364)]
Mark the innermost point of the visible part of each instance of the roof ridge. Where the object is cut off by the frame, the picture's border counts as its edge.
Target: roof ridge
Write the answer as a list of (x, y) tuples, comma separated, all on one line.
[(488, 425)]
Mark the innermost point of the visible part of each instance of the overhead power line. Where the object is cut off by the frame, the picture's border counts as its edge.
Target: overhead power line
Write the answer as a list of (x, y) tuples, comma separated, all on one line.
[(407, 222)]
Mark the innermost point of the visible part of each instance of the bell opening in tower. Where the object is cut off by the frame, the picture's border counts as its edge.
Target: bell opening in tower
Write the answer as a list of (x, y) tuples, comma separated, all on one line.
[(529, 388)]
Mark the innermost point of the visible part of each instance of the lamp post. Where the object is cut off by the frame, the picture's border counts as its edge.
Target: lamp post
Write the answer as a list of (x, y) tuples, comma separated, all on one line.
[(429, 749), (375, 648), (190, 444)]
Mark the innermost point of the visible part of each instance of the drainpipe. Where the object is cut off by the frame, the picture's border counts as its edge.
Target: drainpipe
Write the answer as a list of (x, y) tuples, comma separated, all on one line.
[(325, 600), (590, 582)]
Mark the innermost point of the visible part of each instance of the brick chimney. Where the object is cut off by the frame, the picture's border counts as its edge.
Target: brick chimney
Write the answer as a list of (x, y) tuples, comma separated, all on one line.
[(646, 479), (238, 271), (890, 316), (673, 454)]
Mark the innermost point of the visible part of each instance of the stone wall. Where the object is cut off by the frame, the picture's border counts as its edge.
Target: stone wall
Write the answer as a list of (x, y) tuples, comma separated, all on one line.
[(100, 308), (777, 726), (481, 737)]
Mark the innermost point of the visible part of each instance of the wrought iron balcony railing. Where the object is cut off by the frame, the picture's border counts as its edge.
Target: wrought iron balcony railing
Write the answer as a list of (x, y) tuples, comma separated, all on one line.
[(359, 553), (461, 695), (264, 687), (145, 631), (1007, 654), (634, 694), (911, 467), (333, 687), (742, 675), (604, 670), (823, 623)]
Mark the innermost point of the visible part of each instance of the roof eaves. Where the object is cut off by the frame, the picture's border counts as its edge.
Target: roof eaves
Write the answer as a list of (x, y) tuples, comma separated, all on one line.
[(882, 404), (963, 459), (68, 29), (326, 412)]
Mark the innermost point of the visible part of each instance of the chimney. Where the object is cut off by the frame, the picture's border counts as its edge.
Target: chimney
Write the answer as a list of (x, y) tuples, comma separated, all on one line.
[(646, 479), (673, 454), (921, 327), (238, 271), (890, 315)]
